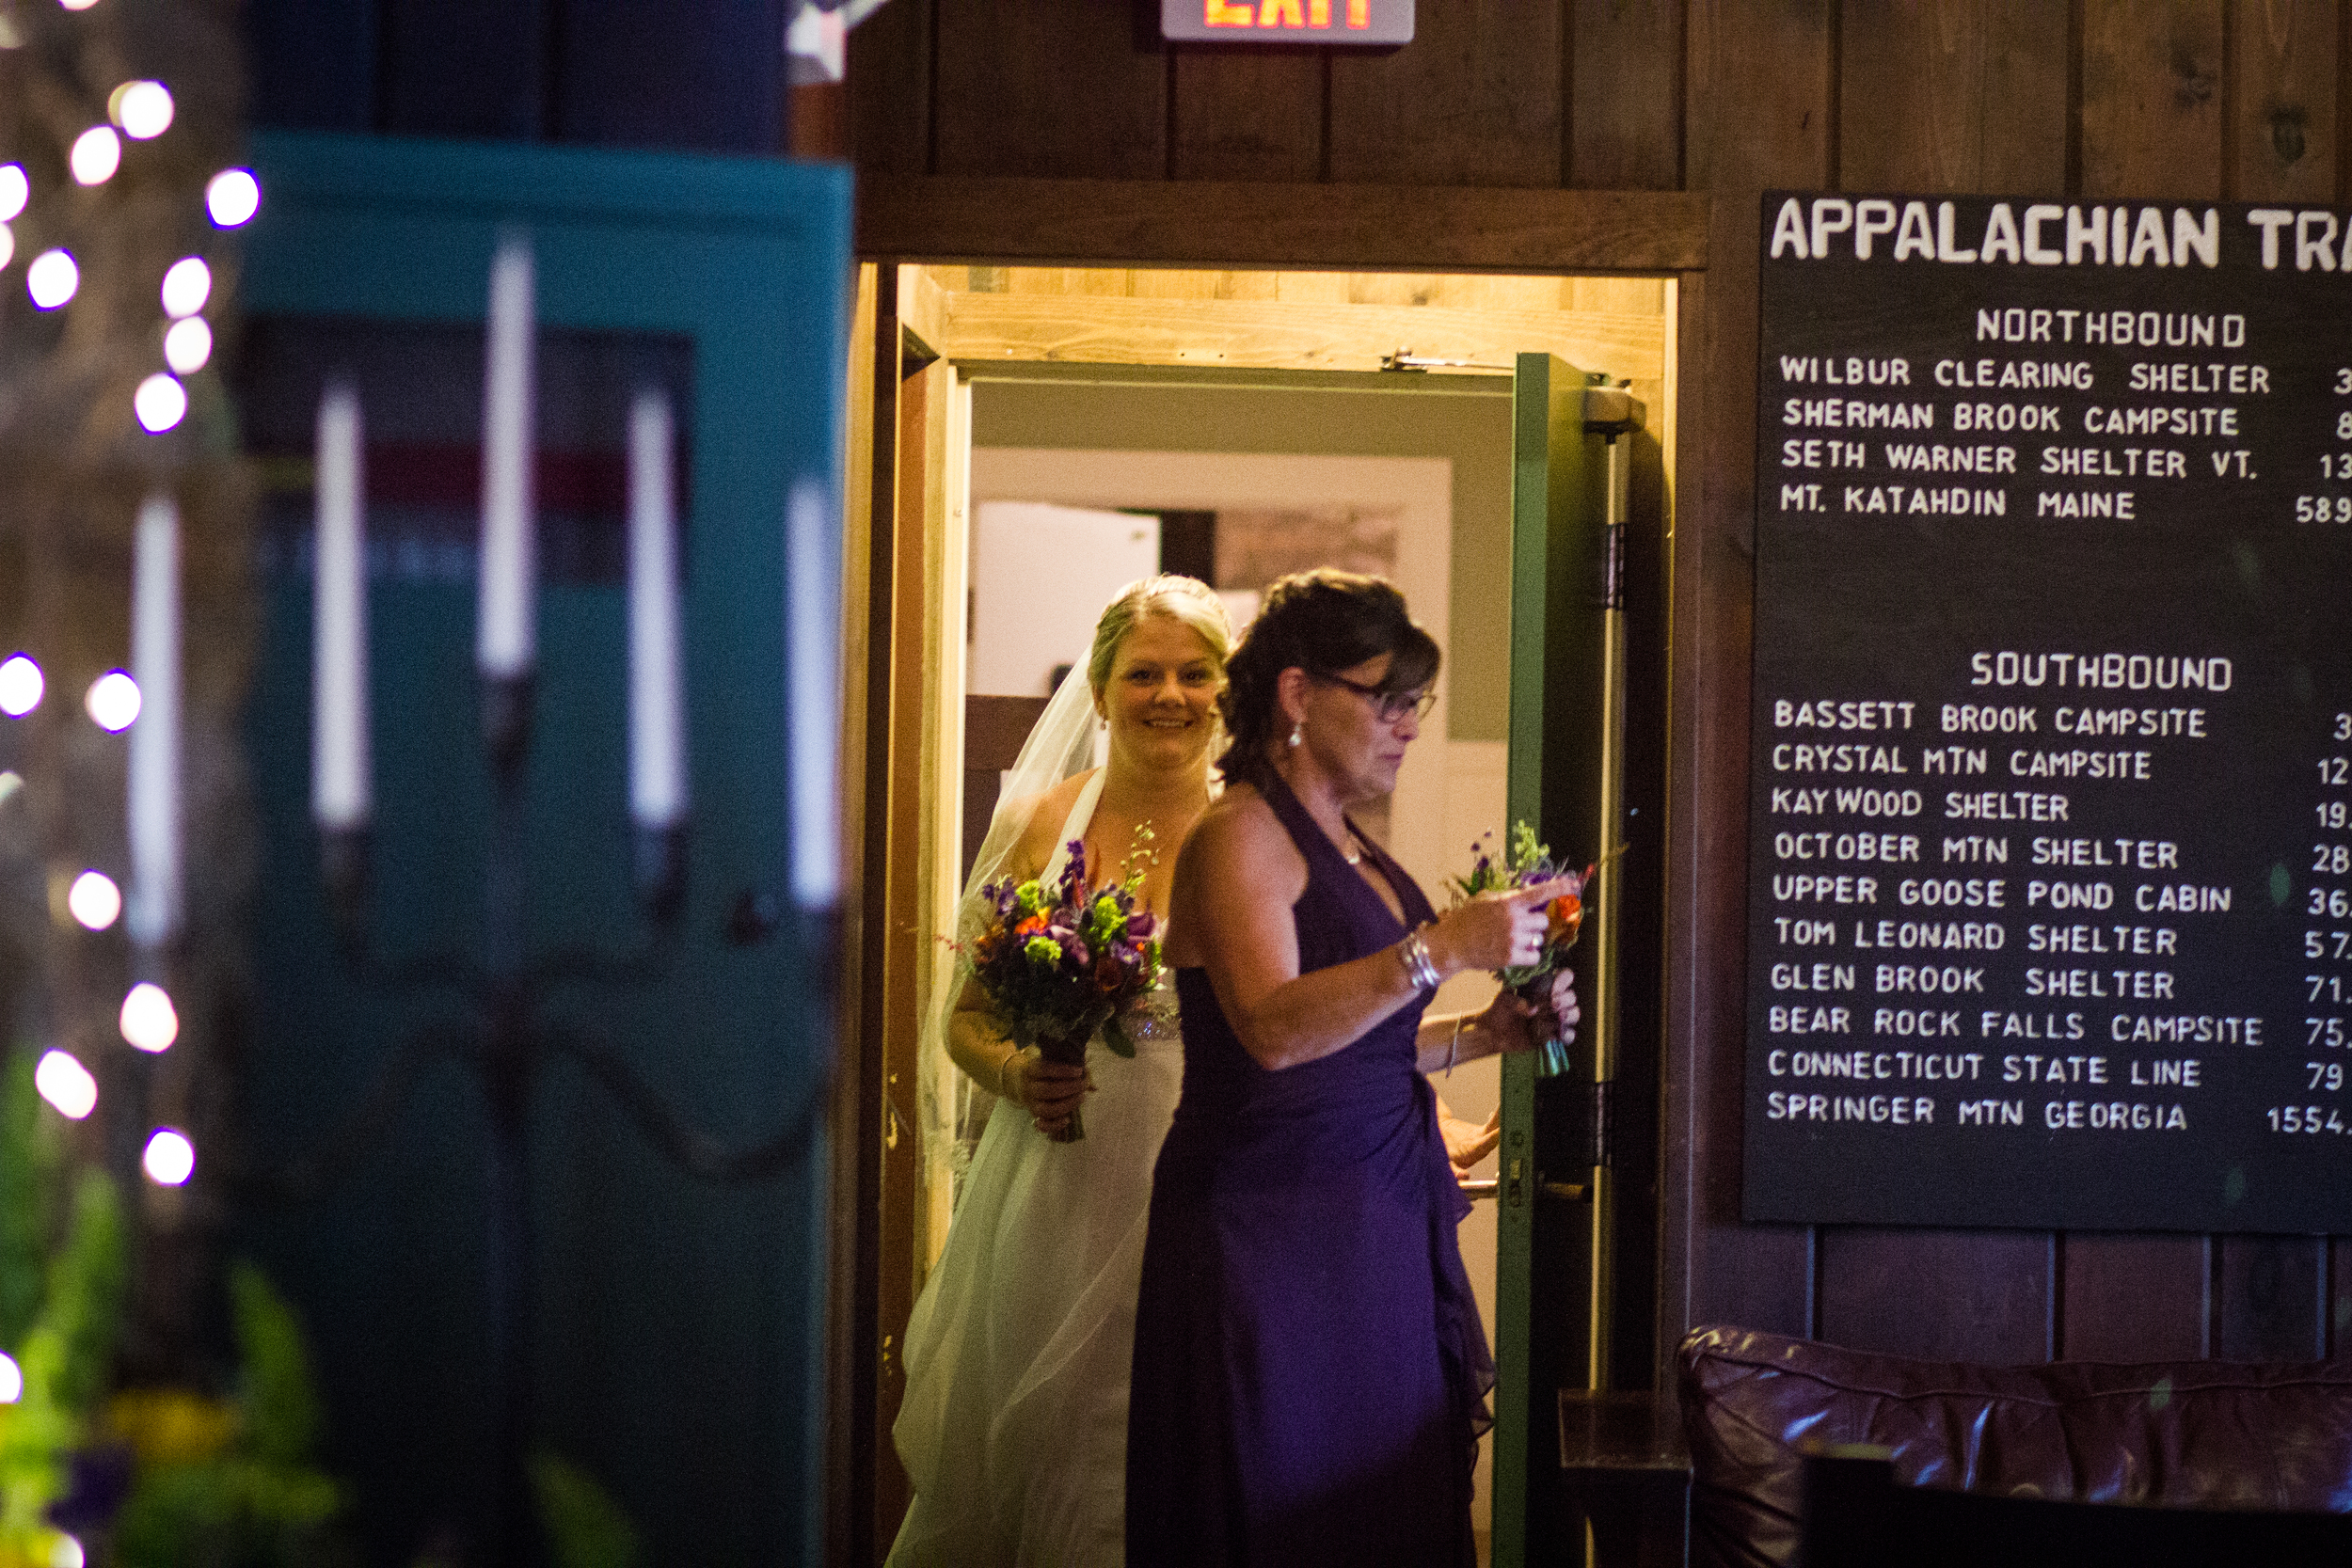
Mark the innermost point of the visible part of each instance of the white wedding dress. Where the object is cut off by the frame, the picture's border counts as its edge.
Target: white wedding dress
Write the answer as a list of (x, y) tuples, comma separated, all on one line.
[(1014, 1425)]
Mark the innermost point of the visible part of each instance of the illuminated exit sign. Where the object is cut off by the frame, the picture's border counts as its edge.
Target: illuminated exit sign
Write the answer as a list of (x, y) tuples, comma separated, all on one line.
[(1287, 21)]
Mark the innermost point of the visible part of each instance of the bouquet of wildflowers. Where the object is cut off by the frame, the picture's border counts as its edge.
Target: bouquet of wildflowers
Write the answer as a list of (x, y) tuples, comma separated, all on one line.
[(1524, 865), (1060, 960)]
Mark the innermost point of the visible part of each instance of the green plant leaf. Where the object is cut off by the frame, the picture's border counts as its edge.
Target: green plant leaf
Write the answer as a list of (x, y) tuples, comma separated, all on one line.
[(280, 1400), (88, 1284)]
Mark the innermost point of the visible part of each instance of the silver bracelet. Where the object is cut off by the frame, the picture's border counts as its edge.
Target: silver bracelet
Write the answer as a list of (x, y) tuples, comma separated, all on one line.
[(1413, 953)]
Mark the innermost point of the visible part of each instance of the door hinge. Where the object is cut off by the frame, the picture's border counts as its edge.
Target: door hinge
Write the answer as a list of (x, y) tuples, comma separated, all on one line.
[(1596, 1135)]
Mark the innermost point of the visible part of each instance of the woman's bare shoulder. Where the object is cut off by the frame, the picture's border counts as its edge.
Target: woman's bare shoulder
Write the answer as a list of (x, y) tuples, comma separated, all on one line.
[(1045, 814), (1239, 822)]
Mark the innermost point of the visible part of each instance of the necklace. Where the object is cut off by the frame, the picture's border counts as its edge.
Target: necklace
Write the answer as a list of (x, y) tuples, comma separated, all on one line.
[(1356, 855)]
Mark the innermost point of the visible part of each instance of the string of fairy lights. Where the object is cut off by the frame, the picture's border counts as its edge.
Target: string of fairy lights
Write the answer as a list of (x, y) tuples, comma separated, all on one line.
[(138, 111)]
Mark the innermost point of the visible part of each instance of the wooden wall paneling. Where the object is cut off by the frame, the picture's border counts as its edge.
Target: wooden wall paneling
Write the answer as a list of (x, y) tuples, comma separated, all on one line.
[(1959, 1295), (1290, 336), (2271, 1298), (2151, 80), (1077, 91), (1327, 227), (1184, 283), (2135, 1297), (889, 79), (1934, 97), (1953, 95), (2282, 146), (1247, 113), (1620, 296), (1625, 94), (1758, 90), (849, 1407), (1474, 100)]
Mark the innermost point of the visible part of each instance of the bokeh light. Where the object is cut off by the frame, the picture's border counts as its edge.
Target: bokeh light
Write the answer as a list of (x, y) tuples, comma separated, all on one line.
[(94, 901), (113, 702), (170, 1159), (66, 1553), (51, 278), (15, 190), (8, 244), (97, 153), (160, 402), (11, 1379), (188, 345), (143, 109), (233, 197), (77, 5), (21, 685), (187, 287), (66, 1084), (149, 1020)]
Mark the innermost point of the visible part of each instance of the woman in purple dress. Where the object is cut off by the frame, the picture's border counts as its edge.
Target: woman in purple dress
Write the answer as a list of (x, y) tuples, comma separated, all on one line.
[(1310, 1373)]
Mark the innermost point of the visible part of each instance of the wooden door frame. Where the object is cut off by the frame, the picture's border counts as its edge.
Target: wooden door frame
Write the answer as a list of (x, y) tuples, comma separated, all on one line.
[(1133, 223)]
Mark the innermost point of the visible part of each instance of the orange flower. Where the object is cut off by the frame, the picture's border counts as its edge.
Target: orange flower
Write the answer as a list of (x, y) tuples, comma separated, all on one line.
[(1566, 914), (1029, 926)]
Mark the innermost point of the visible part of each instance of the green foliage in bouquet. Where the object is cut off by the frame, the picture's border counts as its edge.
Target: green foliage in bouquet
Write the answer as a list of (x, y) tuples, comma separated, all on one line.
[(1526, 862)]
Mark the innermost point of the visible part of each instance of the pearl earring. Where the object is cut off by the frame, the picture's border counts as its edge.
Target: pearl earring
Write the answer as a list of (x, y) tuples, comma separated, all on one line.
[(1298, 734)]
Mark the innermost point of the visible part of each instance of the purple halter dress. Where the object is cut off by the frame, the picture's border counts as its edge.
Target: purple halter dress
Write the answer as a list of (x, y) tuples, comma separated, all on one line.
[(1310, 1371)]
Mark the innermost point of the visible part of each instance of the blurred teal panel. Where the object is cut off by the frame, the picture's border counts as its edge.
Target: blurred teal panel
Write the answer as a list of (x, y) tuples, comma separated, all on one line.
[(679, 1325)]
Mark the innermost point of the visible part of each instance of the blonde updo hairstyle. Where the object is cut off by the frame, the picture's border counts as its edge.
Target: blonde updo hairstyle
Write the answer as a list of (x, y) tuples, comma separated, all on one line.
[(1185, 599)]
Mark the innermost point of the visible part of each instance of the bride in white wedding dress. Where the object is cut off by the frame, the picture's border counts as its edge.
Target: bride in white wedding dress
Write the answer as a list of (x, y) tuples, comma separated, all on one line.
[(1013, 1429)]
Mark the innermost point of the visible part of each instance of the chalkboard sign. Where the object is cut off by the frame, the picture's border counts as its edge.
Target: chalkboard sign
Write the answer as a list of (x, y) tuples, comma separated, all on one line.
[(2050, 833)]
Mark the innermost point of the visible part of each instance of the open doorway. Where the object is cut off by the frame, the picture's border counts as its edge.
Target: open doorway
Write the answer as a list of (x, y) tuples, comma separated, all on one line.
[(1259, 402)]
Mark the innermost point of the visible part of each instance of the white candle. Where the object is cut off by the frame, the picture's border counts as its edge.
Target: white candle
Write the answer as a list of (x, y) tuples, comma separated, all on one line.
[(341, 784), (813, 724), (154, 788), (657, 719), (506, 632)]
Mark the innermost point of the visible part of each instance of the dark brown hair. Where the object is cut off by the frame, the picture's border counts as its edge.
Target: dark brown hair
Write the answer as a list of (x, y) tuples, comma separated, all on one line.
[(1322, 622)]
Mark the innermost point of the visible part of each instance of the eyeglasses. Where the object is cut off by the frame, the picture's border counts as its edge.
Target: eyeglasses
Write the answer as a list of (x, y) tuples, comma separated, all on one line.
[(1389, 706)]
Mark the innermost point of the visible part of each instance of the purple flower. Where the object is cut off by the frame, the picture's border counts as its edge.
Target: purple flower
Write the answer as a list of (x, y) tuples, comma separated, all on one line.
[(1139, 924)]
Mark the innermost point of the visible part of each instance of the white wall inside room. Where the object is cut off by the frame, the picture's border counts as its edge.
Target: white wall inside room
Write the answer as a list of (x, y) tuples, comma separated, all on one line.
[(1040, 575)]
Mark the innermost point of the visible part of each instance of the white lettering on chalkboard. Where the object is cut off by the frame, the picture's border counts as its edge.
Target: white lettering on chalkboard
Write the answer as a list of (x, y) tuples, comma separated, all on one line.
[(1849, 802), (1852, 370), (1935, 1066), (2173, 329), (2127, 671), (2100, 237), (1855, 414), (2184, 898), (2314, 234), (2081, 937), (2079, 764), (2122, 505), (2145, 854), (1941, 459), (1900, 1110), (2015, 374), (1825, 715), (1801, 887), (2152, 421), (1962, 936), (1791, 757), (2183, 1029), (2013, 805), (1989, 719), (2128, 462), (2030, 1026), (1931, 501), (1977, 850), (2189, 722), (2036, 1068), (2005, 417), (1992, 1113), (2136, 985), (2117, 1115)]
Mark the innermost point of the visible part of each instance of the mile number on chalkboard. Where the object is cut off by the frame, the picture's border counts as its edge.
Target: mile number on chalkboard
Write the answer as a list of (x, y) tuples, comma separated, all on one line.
[(2050, 846)]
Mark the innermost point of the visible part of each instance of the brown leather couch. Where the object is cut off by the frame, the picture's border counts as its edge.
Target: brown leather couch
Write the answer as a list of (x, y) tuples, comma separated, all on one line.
[(2183, 1434)]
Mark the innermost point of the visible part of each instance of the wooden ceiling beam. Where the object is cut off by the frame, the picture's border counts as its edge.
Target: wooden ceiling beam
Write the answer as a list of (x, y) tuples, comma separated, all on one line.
[(1344, 228)]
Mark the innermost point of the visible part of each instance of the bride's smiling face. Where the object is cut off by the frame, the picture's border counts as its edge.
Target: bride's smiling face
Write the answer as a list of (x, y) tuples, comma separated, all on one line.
[(1161, 697)]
